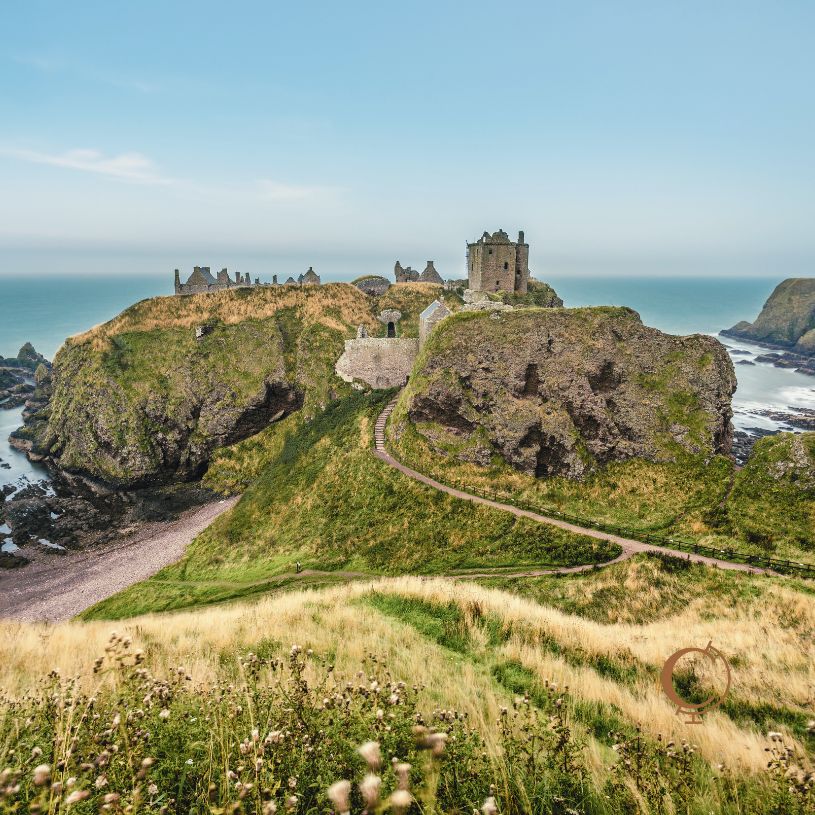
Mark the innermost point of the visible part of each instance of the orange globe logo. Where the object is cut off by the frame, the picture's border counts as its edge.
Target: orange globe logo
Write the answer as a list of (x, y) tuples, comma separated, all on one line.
[(696, 709)]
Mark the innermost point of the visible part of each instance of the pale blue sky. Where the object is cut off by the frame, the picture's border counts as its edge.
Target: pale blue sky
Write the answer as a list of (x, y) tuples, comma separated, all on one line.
[(621, 136)]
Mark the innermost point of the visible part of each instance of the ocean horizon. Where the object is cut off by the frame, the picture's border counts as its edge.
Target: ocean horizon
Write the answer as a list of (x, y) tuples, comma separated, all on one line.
[(46, 309)]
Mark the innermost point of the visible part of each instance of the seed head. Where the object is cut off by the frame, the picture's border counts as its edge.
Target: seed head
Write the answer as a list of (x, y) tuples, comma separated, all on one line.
[(370, 787), (338, 795), (489, 807), (400, 801), (371, 753), (42, 774)]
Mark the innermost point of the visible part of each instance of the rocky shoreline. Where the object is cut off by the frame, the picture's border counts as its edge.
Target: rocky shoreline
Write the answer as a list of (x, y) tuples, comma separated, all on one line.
[(52, 516), (801, 363)]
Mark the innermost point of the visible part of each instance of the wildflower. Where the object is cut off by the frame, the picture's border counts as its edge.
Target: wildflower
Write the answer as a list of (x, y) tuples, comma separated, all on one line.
[(153, 789), (269, 808), (42, 774), (188, 761), (400, 801), (165, 714), (370, 752), (370, 787), (774, 736), (380, 714), (76, 796), (111, 798), (146, 763), (338, 795), (36, 752), (101, 781), (291, 802), (292, 783), (489, 806)]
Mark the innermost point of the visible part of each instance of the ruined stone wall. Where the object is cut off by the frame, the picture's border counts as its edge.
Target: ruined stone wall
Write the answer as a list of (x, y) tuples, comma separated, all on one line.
[(377, 361), (521, 268)]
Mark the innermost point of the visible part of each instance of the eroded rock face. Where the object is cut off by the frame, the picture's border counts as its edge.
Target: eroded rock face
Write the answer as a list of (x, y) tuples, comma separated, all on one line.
[(555, 392), (151, 409)]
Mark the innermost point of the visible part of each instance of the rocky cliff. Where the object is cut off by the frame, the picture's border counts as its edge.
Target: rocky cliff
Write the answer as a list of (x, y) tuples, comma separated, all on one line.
[(787, 320), (556, 391)]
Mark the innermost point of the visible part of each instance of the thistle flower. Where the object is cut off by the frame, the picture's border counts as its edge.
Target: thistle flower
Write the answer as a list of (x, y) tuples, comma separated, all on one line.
[(370, 787), (338, 794), (42, 774), (370, 752)]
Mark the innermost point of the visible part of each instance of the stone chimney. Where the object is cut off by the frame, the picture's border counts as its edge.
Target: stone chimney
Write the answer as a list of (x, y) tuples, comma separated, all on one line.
[(177, 281), (521, 236)]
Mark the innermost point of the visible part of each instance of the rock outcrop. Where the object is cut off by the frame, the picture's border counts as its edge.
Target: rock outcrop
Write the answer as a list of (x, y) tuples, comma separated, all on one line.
[(786, 322), (17, 375), (557, 391)]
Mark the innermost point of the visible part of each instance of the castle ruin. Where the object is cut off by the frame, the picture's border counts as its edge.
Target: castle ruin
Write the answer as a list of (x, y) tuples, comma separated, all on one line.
[(408, 275), (201, 281), (495, 263)]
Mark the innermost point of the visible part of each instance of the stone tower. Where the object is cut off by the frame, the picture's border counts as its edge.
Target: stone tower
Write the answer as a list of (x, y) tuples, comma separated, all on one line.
[(495, 263)]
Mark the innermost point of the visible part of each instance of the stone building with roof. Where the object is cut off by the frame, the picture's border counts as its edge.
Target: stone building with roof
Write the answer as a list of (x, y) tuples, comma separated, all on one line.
[(495, 263), (430, 318)]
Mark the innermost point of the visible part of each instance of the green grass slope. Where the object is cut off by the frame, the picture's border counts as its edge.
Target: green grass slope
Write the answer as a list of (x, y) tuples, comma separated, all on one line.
[(766, 508), (315, 493)]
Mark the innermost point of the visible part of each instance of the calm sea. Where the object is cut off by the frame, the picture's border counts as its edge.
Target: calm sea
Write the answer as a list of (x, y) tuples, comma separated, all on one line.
[(44, 310)]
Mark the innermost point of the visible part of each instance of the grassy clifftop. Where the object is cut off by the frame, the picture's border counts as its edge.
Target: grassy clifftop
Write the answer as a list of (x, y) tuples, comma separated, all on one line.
[(140, 399)]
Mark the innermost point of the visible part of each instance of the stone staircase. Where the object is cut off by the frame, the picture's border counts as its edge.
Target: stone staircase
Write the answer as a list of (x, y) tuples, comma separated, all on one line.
[(379, 429)]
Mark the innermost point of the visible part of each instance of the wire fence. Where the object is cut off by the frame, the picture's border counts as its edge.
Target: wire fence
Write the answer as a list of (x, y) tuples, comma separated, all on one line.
[(666, 541)]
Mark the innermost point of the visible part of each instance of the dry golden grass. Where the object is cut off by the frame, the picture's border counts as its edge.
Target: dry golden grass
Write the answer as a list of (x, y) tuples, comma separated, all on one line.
[(335, 305), (771, 638)]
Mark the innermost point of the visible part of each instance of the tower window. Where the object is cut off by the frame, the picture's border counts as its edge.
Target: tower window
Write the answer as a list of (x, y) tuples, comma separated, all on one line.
[(506, 265)]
